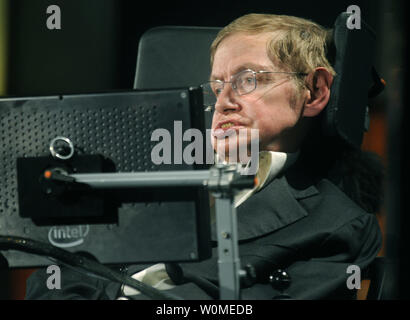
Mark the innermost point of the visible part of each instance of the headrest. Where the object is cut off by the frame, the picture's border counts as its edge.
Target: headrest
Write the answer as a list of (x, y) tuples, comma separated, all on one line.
[(346, 115), (173, 56)]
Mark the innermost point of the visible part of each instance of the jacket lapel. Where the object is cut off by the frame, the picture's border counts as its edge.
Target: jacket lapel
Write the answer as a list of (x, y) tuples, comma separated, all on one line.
[(272, 208)]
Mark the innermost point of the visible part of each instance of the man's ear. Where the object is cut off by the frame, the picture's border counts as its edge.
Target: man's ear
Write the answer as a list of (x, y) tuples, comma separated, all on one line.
[(319, 82)]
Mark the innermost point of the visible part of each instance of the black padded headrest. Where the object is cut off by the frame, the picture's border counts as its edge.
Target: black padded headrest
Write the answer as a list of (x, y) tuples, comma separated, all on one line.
[(172, 57), (346, 115)]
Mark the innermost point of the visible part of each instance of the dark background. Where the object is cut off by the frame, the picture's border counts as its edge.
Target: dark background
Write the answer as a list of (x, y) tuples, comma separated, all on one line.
[(96, 48)]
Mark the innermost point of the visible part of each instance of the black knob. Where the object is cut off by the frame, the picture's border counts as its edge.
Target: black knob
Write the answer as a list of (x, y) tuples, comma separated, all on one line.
[(280, 280), (248, 277)]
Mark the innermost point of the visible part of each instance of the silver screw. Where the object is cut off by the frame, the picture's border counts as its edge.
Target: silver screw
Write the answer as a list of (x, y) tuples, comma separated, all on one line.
[(225, 235)]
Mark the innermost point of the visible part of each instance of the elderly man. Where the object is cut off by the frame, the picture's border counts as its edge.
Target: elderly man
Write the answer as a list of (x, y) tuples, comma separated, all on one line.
[(271, 73)]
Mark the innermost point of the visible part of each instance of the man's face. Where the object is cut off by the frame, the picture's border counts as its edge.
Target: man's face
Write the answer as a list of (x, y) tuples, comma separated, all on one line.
[(273, 108)]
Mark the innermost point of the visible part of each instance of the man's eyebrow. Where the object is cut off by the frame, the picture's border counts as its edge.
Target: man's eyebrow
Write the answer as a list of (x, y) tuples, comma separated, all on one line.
[(252, 66)]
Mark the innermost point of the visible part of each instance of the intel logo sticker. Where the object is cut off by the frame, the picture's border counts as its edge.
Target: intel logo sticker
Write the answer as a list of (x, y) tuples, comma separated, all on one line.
[(68, 236)]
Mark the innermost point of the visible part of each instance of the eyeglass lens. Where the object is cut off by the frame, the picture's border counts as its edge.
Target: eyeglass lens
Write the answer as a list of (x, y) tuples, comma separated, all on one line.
[(242, 83)]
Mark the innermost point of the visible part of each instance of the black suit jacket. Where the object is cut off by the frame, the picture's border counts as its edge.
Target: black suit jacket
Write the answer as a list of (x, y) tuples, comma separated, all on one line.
[(309, 228)]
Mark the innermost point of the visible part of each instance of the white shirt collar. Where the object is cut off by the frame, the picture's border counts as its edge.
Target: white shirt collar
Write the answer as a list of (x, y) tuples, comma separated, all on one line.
[(271, 163)]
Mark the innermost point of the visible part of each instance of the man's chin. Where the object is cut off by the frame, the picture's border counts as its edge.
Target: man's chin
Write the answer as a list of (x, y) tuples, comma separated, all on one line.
[(239, 152), (234, 145)]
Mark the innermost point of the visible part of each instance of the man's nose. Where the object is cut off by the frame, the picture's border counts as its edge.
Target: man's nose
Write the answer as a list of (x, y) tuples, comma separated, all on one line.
[(227, 100)]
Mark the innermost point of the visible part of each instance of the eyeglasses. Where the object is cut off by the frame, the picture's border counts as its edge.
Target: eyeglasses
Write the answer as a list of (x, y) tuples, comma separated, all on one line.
[(242, 83)]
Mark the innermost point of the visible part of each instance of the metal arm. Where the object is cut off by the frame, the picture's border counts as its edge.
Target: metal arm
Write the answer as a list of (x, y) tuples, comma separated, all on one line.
[(226, 228)]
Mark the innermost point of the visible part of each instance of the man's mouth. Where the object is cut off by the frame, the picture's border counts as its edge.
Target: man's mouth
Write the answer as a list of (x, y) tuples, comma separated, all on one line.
[(226, 129), (227, 125)]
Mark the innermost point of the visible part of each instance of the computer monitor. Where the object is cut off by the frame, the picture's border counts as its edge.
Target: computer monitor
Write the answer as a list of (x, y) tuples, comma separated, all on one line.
[(150, 225)]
